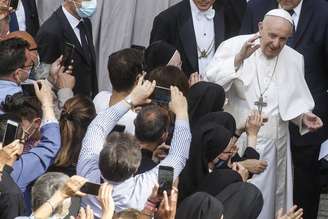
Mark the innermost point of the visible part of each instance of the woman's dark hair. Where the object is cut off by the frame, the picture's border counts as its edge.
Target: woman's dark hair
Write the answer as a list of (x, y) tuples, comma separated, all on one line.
[(24, 107), (167, 76), (77, 114)]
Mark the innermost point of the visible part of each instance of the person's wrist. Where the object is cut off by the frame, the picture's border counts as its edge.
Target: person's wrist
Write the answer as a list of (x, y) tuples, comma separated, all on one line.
[(181, 114)]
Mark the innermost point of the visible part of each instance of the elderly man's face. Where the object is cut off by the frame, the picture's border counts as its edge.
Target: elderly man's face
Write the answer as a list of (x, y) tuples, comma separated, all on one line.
[(204, 5), (274, 32), (289, 4)]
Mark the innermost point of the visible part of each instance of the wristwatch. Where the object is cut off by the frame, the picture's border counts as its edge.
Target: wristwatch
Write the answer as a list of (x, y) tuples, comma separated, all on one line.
[(128, 100)]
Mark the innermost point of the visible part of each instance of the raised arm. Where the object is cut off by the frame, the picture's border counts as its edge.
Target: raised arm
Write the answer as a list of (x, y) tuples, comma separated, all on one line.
[(228, 59), (33, 164), (103, 124), (179, 150)]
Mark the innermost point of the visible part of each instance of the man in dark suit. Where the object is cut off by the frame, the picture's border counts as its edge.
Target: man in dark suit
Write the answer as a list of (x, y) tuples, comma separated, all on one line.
[(311, 40), (70, 23), (25, 18), (197, 27)]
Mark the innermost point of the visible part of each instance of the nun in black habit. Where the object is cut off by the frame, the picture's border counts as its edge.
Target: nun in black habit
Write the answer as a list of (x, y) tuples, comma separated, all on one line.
[(160, 53), (208, 141), (203, 98), (200, 206)]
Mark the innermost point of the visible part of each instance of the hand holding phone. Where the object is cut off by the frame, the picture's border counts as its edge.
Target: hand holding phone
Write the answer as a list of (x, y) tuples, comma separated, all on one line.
[(68, 52), (165, 179), (161, 95), (28, 89), (90, 188), (10, 132)]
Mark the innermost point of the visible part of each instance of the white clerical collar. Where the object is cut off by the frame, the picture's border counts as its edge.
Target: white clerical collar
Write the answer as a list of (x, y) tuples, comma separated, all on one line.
[(209, 13), (73, 21), (297, 9)]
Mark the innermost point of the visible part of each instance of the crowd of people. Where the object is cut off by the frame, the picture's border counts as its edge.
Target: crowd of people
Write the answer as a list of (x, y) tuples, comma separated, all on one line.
[(204, 123)]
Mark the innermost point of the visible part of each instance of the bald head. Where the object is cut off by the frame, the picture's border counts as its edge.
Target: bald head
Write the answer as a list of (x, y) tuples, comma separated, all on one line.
[(274, 32)]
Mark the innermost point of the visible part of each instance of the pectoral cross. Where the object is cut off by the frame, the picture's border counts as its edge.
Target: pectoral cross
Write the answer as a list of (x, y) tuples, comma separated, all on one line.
[(260, 104)]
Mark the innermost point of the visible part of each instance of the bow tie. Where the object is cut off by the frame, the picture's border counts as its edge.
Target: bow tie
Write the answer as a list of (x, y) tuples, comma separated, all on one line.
[(209, 14)]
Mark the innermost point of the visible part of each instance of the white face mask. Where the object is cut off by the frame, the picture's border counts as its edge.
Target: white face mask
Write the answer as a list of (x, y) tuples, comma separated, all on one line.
[(87, 9)]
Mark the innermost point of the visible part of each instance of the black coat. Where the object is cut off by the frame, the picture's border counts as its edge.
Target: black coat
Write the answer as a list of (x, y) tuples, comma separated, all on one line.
[(51, 37), (311, 40), (31, 17), (175, 26)]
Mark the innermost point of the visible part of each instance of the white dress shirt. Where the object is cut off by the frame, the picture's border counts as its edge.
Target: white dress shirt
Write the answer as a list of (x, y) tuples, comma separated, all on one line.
[(20, 14), (133, 192), (297, 13), (204, 32), (101, 102), (73, 21)]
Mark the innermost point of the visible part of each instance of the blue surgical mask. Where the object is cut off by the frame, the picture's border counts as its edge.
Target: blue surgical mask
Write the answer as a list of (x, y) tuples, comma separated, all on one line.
[(87, 9)]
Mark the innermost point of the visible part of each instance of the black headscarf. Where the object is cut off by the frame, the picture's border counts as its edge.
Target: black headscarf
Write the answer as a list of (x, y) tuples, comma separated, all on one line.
[(222, 118), (200, 206), (208, 141), (204, 97), (218, 180), (158, 54), (241, 201)]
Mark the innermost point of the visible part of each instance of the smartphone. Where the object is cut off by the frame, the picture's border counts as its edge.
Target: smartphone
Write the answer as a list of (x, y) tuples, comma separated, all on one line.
[(28, 89), (165, 179), (90, 188), (68, 53), (10, 132), (13, 4), (119, 128), (161, 95)]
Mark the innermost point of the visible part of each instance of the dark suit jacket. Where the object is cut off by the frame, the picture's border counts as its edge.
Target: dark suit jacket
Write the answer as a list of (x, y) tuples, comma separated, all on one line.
[(311, 40), (51, 37), (31, 17), (175, 26)]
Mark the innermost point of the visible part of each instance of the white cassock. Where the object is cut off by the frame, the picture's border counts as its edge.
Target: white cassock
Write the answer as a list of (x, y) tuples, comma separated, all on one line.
[(287, 97)]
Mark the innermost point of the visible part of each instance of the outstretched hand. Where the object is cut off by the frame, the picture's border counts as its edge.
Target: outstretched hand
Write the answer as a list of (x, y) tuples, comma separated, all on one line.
[(291, 213), (247, 50)]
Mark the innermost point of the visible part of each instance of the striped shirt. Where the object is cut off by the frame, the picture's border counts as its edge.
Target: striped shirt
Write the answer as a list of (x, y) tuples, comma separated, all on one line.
[(133, 192)]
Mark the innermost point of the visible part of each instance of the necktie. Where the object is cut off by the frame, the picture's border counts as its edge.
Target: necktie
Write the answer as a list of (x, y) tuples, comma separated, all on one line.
[(84, 42), (290, 39), (13, 24)]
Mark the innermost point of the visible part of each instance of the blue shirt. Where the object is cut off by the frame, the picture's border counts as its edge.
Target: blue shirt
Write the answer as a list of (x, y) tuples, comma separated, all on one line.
[(8, 88), (35, 163)]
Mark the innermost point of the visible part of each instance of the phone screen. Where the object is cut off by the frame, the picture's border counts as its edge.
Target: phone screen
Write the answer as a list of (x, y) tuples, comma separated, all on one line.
[(161, 95), (28, 89), (10, 133), (118, 128), (90, 188), (13, 4), (68, 52), (165, 179)]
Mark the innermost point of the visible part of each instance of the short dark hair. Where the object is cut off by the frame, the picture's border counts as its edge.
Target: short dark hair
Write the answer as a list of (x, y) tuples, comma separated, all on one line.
[(120, 157), (167, 76), (124, 67), (151, 122), (12, 55), (22, 106)]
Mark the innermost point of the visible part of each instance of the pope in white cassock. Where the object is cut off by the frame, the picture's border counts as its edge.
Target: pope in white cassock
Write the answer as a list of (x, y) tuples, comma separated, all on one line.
[(260, 72)]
